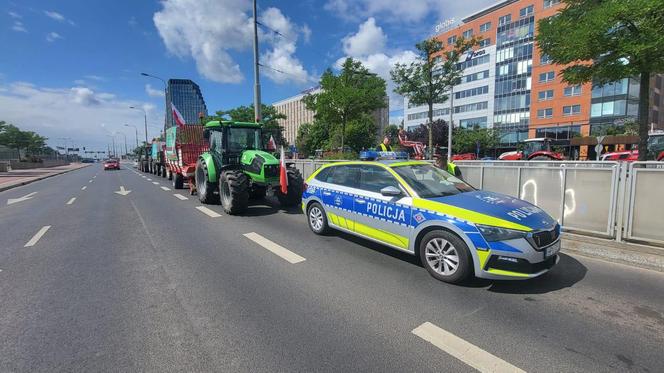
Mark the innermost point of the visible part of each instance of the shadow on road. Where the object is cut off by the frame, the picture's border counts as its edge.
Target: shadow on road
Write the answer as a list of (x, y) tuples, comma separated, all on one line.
[(269, 206), (565, 274)]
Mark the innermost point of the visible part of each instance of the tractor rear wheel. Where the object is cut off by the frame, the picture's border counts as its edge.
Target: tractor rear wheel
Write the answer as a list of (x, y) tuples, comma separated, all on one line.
[(206, 189), (234, 191), (295, 184), (178, 181)]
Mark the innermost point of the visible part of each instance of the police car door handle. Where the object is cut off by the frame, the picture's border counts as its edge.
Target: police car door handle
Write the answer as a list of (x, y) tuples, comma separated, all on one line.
[(360, 201)]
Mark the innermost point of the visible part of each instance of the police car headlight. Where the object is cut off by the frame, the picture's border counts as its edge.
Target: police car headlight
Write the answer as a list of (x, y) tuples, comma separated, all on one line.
[(499, 234)]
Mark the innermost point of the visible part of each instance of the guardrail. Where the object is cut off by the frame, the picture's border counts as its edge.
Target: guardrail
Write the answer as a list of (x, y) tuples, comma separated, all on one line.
[(616, 200)]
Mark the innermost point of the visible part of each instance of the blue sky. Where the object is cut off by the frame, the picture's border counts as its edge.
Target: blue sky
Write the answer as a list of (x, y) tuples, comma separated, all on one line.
[(70, 69)]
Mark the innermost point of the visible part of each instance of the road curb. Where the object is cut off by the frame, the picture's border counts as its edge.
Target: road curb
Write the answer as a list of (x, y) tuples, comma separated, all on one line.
[(648, 257), (21, 183)]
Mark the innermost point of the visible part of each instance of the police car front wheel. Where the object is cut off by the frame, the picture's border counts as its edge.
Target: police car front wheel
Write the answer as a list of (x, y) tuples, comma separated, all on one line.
[(317, 219), (445, 256)]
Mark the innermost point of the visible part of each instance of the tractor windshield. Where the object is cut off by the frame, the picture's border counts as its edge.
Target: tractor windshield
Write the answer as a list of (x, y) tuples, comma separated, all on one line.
[(531, 147), (240, 139), (656, 143)]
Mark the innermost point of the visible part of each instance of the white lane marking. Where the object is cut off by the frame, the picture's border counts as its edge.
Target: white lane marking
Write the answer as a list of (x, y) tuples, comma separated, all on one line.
[(164, 188), (84, 188), (276, 249), (123, 191), (71, 201), (207, 211), (94, 177), (26, 197), (155, 182), (180, 197), (149, 179), (462, 350), (37, 236), (90, 181)]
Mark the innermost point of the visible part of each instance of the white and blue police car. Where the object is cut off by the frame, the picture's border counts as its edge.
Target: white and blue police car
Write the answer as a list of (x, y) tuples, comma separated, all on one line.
[(412, 206)]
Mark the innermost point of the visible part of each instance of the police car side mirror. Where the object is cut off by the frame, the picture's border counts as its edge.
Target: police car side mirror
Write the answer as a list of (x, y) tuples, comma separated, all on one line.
[(390, 191)]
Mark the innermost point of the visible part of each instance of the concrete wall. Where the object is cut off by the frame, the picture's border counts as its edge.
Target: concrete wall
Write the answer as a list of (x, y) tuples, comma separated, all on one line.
[(15, 165)]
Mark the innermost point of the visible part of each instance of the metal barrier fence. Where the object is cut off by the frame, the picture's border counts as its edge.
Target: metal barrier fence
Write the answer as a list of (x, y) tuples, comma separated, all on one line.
[(617, 200)]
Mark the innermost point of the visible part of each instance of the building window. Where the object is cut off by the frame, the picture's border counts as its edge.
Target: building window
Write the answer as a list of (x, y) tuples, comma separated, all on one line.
[(545, 59), (545, 113), (471, 107), (545, 95), (524, 12), (468, 34), (473, 62), (571, 110), (473, 122), (472, 92), (608, 109), (485, 27), (451, 40), (485, 42), (547, 77), (476, 76), (504, 20), (574, 90), (550, 3)]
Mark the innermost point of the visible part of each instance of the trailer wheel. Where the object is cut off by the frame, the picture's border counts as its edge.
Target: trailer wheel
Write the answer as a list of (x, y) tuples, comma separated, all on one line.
[(163, 171), (295, 184), (178, 181), (169, 174), (205, 188), (234, 191)]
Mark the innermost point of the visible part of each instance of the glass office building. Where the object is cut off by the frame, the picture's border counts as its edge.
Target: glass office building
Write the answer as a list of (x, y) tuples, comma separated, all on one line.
[(187, 98)]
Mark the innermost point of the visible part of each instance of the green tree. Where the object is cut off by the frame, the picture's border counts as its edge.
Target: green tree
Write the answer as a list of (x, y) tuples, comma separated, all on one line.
[(437, 131), (604, 41), (392, 132), (347, 97), (361, 133), (243, 113), (466, 140), (311, 137), (427, 80)]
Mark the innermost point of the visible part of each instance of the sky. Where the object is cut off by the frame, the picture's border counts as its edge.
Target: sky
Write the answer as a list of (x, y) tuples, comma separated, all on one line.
[(70, 69)]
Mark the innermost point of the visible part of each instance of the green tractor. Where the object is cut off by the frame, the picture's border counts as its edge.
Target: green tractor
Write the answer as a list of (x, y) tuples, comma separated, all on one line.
[(236, 169)]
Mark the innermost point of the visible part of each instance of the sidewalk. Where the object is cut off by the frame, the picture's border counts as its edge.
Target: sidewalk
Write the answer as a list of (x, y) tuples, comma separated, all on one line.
[(16, 178), (648, 257)]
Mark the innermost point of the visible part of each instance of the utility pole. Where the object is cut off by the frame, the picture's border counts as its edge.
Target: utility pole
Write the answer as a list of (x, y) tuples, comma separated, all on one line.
[(257, 84), (450, 126)]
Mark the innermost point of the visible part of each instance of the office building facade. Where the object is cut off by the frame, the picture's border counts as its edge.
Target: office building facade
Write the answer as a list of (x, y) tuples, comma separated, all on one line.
[(525, 95), (187, 98)]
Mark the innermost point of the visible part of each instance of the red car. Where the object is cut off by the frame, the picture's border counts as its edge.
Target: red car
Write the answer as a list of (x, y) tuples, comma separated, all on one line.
[(111, 164)]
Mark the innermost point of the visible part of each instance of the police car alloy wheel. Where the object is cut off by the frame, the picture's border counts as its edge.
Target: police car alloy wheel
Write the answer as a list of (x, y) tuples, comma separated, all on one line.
[(317, 219), (445, 256)]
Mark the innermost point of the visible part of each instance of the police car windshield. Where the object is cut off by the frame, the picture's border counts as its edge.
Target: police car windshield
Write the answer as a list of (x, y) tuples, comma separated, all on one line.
[(430, 182)]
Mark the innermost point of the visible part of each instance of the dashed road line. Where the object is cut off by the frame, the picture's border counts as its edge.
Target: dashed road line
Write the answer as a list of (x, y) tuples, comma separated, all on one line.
[(90, 181), (164, 188), (276, 249), (37, 236), (180, 197), (155, 182), (207, 211), (149, 179), (71, 201), (84, 188), (462, 350)]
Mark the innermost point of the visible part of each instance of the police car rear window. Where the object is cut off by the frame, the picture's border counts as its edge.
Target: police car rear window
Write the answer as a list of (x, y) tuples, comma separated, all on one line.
[(348, 176), (322, 175)]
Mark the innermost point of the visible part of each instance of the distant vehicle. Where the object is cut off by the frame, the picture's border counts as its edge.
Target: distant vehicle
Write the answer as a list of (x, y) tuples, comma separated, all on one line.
[(111, 164), (464, 157), (626, 156), (87, 160), (538, 149), (655, 150)]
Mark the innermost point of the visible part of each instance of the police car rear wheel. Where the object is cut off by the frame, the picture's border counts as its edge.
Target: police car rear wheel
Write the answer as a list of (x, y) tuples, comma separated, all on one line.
[(445, 256), (317, 219)]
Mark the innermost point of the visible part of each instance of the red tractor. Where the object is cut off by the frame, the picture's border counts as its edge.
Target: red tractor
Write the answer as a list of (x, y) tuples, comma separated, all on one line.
[(655, 150), (533, 150)]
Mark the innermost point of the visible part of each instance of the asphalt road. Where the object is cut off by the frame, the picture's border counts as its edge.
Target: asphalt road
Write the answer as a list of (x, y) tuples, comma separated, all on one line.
[(147, 282)]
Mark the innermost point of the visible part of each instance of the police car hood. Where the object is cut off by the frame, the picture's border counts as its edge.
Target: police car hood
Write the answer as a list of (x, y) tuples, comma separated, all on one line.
[(502, 207)]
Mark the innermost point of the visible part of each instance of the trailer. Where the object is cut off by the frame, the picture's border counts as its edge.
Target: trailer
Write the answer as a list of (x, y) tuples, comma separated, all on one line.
[(184, 145)]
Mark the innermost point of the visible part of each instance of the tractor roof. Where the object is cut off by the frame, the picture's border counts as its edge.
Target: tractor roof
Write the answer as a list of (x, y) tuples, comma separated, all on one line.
[(230, 123)]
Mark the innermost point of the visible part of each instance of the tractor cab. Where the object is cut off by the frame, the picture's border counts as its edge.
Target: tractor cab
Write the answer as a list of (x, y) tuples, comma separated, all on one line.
[(537, 149), (532, 146)]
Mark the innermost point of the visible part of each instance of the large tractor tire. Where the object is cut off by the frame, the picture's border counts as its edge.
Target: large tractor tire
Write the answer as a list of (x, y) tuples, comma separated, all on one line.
[(295, 185), (178, 181), (206, 188), (234, 191)]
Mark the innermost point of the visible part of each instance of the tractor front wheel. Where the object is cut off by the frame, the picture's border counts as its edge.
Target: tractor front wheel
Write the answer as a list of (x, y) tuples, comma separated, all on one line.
[(204, 186), (293, 197), (234, 191)]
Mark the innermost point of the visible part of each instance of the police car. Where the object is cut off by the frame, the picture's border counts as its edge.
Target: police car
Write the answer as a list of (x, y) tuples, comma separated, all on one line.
[(412, 206)]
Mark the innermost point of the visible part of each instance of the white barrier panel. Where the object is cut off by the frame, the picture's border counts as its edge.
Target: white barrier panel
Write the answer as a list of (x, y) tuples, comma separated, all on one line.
[(645, 218)]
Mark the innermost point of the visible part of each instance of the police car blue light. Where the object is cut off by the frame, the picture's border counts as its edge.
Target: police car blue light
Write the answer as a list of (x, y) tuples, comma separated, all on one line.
[(411, 206)]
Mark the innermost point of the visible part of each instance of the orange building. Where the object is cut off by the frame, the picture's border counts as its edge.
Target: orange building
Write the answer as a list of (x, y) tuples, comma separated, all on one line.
[(522, 93)]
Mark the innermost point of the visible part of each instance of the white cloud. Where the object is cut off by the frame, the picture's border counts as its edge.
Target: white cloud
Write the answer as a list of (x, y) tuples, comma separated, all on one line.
[(368, 39), (280, 57), (52, 36), (404, 11), (306, 33), (15, 15), (58, 17), (18, 27), (377, 60), (153, 92), (75, 112), (193, 28), (132, 21), (95, 77)]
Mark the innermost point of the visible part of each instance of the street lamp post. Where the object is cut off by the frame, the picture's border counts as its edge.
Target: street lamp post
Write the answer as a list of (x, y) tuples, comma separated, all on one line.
[(145, 117), (136, 130), (165, 88), (125, 141)]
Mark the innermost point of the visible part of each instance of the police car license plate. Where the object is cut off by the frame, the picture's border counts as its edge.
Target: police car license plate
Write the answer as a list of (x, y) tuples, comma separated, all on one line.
[(552, 250)]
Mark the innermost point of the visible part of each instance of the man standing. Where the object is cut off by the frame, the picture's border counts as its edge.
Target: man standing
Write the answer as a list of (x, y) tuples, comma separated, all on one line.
[(448, 166), (385, 145)]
